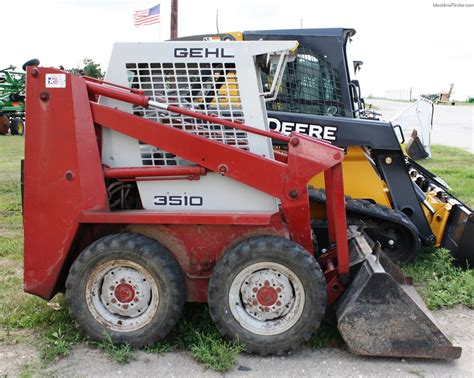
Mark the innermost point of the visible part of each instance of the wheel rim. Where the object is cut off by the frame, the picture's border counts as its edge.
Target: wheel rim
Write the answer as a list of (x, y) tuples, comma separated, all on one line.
[(266, 298), (21, 127), (122, 295)]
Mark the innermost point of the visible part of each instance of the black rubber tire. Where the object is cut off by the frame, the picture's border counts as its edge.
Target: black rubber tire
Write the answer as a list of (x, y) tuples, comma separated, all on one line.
[(275, 250), (31, 62), (17, 126), (152, 256)]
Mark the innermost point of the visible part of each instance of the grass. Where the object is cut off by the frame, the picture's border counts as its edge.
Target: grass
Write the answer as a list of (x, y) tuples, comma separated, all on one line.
[(49, 326), (456, 167), (120, 353), (196, 332), (326, 336), (442, 285)]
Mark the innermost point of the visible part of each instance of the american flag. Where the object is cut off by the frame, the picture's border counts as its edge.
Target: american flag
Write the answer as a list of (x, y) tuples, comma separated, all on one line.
[(147, 16)]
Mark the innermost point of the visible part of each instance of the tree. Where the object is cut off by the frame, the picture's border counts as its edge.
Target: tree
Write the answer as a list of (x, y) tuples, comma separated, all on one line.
[(92, 69)]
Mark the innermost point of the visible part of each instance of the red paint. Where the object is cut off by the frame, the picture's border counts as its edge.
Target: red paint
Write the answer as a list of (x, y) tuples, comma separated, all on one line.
[(153, 217), (120, 173), (124, 293), (267, 296), (65, 190)]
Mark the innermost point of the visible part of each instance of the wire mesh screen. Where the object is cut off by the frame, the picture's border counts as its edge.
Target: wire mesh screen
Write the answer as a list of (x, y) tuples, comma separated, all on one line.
[(310, 85), (209, 88)]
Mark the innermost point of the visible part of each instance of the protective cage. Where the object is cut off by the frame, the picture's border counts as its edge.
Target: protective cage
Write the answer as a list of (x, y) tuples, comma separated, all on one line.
[(217, 80)]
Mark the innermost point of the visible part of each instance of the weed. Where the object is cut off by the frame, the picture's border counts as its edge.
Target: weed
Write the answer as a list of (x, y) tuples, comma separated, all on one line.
[(196, 332), (28, 370), (215, 353), (56, 344), (59, 332), (161, 346), (326, 336), (120, 353), (443, 284)]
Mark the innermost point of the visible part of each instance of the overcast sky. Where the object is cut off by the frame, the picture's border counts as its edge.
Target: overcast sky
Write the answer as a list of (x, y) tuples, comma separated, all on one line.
[(402, 43)]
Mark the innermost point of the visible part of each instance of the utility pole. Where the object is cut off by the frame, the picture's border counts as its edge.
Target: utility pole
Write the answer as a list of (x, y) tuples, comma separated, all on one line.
[(174, 19)]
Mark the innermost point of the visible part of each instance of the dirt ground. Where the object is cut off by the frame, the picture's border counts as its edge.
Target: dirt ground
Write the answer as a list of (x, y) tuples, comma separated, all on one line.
[(457, 323)]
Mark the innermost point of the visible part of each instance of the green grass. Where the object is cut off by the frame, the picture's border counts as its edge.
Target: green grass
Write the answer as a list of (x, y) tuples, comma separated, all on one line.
[(196, 332), (456, 167), (52, 330), (326, 336), (120, 353), (442, 285)]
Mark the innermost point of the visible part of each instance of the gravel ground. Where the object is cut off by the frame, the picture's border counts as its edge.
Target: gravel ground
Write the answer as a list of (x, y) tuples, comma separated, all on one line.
[(83, 361)]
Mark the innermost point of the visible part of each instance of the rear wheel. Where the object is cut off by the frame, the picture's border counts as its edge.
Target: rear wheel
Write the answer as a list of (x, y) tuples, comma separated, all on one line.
[(4, 124), (268, 293), (17, 127), (128, 286)]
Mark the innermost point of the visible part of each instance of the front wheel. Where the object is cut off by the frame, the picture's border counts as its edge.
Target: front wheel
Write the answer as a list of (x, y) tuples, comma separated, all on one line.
[(126, 285), (268, 293), (17, 127)]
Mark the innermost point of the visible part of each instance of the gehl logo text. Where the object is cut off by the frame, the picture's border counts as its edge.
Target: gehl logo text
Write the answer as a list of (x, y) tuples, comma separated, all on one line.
[(201, 52)]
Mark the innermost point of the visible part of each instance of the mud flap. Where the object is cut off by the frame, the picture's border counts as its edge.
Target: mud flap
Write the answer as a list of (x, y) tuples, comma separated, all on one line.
[(381, 314)]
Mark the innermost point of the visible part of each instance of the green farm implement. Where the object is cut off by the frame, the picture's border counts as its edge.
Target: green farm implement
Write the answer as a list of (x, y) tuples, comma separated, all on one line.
[(12, 99)]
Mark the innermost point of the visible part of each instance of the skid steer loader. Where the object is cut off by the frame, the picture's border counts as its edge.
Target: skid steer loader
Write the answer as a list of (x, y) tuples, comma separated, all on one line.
[(398, 201), (156, 188)]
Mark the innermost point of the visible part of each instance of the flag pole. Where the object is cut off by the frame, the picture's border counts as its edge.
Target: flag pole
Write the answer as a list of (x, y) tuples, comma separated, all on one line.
[(174, 19)]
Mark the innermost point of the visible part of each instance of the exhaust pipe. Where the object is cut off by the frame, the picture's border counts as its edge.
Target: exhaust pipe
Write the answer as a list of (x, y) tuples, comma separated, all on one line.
[(381, 314)]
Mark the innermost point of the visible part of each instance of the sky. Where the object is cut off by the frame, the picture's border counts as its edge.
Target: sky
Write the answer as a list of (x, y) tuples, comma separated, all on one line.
[(402, 43)]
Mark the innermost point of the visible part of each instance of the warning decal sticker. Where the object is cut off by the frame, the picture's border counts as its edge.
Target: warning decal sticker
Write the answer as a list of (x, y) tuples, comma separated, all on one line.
[(55, 80)]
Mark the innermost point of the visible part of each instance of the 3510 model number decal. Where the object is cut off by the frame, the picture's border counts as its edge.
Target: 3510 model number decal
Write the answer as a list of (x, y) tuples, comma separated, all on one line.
[(178, 200)]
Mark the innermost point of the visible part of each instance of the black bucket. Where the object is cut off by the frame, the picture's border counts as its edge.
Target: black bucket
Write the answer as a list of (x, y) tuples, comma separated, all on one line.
[(381, 314)]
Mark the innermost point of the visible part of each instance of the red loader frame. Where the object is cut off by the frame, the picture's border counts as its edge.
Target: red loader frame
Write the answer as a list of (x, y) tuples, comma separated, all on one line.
[(65, 199)]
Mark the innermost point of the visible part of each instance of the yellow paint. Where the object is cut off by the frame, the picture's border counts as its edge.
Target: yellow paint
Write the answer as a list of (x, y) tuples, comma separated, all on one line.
[(439, 219), (360, 178), (361, 181), (239, 36)]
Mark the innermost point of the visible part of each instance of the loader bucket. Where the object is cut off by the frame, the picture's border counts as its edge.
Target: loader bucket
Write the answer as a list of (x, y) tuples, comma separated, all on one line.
[(414, 147), (381, 314)]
